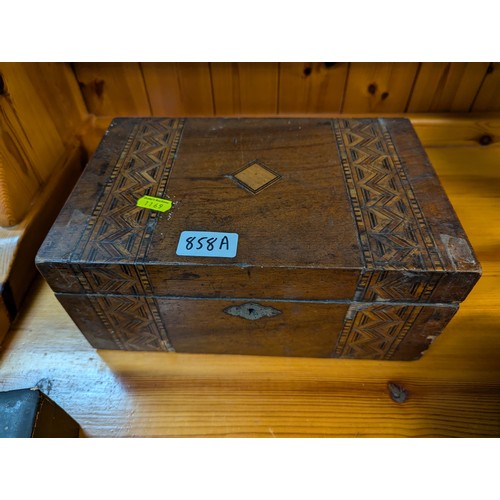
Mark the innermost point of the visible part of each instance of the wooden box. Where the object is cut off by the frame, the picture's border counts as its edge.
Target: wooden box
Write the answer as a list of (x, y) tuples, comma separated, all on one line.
[(285, 237)]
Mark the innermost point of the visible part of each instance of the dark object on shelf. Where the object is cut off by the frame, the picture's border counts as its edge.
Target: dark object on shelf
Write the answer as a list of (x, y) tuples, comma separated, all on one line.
[(284, 237), (26, 413)]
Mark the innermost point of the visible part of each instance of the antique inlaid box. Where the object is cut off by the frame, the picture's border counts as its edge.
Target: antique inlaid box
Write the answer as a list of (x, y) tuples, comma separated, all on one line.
[(284, 237)]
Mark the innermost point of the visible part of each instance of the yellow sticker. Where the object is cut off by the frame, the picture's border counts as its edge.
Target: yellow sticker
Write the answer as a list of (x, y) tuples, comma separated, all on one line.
[(154, 203)]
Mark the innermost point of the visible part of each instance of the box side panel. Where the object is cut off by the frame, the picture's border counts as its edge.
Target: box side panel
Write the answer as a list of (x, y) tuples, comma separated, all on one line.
[(414, 286), (430, 323), (448, 236), (66, 233), (400, 332)]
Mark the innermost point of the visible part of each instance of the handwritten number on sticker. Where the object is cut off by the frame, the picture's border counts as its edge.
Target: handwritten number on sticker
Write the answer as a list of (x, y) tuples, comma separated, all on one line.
[(224, 242), (207, 244), (189, 242), (200, 243)]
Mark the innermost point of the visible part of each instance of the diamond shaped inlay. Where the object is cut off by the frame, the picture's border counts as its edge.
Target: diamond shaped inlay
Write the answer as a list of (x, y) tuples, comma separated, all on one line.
[(255, 176)]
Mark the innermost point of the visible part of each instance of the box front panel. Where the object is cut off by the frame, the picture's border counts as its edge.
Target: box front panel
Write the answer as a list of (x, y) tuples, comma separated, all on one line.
[(273, 328), (266, 328), (258, 327)]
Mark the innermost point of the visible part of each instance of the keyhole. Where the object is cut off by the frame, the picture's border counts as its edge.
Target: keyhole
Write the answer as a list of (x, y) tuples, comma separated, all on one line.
[(251, 310)]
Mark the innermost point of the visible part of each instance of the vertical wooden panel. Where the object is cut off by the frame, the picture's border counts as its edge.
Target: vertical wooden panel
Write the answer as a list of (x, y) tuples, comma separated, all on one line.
[(54, 84), (446, 86), (312, 87), (245, 88), (379, 87), (179, 89), (488, 98), (113, 89), (41, 110), (19, 181)]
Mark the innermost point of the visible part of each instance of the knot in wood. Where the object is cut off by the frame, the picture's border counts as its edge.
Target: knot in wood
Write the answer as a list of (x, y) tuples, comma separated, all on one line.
[(397, 392), (485, 140)]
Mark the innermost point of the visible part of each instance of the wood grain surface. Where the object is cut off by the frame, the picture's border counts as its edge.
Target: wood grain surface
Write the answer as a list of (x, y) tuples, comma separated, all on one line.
[(398, 251), (312, 87), (446, 86), (19, 244), (113, 88), (40, 109), (178, 89), (454, 390), (251, 89), (487, 96), (244, 88)]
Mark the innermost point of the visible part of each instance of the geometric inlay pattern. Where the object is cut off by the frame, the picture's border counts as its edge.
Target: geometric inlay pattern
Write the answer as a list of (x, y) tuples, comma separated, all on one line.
[(374, 331), (392, 229), (396, 286), (255, 176), (132, 322), (117, 279), (399, 252), (118, 230)]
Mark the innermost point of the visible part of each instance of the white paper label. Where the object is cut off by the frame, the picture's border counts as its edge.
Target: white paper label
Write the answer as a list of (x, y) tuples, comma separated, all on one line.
[(207, 244)]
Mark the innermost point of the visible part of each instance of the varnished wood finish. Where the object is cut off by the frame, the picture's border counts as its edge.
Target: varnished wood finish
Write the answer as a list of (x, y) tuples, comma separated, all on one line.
[(487, 97), (179, 89), (312, 87), (454, 390), (113, 88), (41, 110), (433, 130), (41, 114), (19, 244), (244, 88), (280, 184), (379, 87), (250, 89), (446, 86)]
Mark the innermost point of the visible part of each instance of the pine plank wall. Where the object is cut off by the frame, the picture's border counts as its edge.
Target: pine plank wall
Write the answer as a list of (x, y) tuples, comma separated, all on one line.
[(207, 89)]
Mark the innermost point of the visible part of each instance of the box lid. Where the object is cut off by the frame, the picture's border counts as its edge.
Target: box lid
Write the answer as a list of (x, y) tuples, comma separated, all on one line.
[(323, 209)]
